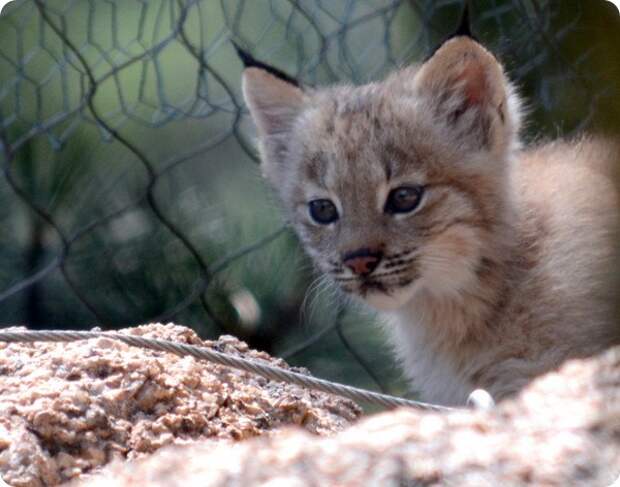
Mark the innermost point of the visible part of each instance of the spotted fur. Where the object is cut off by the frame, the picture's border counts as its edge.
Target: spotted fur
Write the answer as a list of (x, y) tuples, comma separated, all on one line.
[(503, 270)]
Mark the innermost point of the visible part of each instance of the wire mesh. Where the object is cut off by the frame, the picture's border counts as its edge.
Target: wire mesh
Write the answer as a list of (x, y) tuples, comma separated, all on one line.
[(130, 189)]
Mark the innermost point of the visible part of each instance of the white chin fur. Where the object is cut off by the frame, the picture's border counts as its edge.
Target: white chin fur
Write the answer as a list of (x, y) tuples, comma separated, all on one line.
[(386, 302)]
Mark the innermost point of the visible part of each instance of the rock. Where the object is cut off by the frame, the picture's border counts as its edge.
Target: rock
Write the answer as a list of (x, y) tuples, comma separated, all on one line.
[(562, 430), (71, 408), (100, 412)]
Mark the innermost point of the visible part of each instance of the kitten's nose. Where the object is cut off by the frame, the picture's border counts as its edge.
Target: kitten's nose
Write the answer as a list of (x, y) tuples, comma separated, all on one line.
[(362, 261)]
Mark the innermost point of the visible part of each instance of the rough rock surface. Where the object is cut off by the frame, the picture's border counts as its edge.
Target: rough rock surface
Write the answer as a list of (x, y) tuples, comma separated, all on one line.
[(563, 430), (69, 408)]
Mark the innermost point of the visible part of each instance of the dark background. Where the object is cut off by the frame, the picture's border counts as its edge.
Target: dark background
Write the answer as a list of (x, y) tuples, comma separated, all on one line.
[(130, 190)]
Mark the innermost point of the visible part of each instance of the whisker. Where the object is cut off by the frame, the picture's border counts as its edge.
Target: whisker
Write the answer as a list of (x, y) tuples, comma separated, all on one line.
[(396, 262), (434, 259), (400, 255), (392, 273), (318, 289), (310, 291)]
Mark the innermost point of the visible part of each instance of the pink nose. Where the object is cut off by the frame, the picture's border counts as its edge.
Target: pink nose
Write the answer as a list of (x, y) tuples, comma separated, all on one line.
[(362, 261)]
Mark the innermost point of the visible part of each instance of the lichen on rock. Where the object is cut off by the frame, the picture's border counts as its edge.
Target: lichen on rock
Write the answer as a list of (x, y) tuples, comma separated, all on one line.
[(563, 430), (103, 413), (70, 408)]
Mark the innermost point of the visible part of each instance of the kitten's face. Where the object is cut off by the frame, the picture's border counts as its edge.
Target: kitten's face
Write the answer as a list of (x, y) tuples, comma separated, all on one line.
[(395, 186)]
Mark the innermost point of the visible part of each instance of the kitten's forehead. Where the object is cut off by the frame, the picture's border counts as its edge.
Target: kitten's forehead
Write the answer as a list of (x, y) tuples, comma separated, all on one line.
[(355, 135)]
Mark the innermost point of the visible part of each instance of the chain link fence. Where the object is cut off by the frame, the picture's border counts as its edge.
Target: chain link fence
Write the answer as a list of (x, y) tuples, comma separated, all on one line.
[(130, 189)]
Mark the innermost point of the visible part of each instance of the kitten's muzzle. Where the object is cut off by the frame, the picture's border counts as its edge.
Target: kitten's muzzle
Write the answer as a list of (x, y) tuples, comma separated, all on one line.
[(362, 261)]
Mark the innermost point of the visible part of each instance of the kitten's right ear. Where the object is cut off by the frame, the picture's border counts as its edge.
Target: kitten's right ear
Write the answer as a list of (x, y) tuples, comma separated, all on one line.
[(275, 101)]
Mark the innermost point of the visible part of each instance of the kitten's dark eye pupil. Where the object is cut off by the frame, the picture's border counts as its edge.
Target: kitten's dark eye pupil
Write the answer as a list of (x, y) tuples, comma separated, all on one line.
[(403, 199), (323, 211)]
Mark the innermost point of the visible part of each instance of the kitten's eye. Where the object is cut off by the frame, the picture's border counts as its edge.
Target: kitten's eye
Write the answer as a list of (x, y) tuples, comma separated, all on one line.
[(323, 211), (403, 199)]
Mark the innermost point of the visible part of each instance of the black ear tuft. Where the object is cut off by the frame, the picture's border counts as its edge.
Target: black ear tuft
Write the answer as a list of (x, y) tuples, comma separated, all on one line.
[(249, 62), (464, 28)]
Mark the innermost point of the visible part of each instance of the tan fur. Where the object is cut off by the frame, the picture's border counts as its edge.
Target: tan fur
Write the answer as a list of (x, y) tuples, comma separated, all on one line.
[(504, 270)]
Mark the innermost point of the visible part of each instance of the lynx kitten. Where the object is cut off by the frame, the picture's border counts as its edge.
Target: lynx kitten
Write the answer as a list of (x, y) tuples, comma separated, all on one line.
[(490, 263)]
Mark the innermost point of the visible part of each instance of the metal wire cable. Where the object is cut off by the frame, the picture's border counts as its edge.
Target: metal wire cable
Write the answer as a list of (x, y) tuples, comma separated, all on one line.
[(203, 353)]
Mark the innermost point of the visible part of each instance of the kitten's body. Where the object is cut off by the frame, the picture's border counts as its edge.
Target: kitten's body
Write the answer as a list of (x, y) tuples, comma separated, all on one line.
[(502, 266), (546, 295)]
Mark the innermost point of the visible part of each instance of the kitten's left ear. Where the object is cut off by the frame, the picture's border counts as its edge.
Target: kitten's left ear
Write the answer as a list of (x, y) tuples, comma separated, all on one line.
[(466, 88), (275, 101)]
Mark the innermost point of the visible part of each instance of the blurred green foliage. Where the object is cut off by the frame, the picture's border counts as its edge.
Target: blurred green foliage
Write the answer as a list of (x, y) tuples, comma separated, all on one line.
[(92, 170)]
